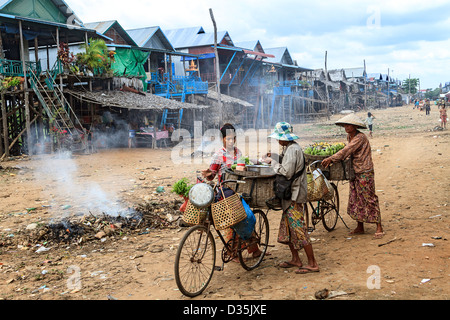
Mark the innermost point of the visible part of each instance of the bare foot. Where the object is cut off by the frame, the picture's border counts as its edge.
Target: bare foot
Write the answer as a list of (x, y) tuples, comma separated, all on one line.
[(357, 231)]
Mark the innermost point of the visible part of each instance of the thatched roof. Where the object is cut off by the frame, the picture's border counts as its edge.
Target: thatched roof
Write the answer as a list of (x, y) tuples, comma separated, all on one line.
[(227, 99), (130, 100)]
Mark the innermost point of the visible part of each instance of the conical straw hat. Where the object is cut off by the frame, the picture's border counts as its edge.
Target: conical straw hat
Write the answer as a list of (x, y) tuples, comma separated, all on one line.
[(352, 119)]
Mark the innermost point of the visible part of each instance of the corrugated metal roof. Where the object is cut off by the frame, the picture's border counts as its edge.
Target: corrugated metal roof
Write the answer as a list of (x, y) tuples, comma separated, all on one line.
[(354, 72), (103, 26), (150, 37), (376, 76), (3, 3), (282, 55), (61, 5), (195, 37), (179, 37), (252, 45)]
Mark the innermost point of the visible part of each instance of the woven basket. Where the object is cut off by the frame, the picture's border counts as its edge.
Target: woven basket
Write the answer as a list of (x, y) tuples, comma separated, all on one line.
[(228, 212), (336, 171), (260, 189), (194, 215), (317, 188)]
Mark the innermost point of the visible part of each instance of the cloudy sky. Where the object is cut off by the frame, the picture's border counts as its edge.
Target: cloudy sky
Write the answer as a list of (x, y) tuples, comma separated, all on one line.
[(408, 37)]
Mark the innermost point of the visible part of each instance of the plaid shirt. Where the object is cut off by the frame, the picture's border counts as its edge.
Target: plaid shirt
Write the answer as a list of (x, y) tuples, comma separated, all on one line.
[(223, 159)]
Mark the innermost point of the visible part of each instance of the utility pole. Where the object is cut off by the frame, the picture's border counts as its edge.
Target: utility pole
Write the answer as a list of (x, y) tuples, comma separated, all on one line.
[(326, 87), (388, 98), (409, 88), (365, 86), (219, 99)]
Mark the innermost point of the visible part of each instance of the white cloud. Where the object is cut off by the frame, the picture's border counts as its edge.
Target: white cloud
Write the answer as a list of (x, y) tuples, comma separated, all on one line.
[(407, 36)]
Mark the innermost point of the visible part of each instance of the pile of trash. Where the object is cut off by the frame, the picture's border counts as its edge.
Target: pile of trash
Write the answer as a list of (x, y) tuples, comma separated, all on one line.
[(90, 227)]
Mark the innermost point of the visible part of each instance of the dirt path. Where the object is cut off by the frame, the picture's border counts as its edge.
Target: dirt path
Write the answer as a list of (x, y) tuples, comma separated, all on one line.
[(412, 182)]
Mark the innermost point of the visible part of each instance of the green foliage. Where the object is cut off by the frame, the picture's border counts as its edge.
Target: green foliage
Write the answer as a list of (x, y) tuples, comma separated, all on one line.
[(410, 85), (182, 187), (433, 94), (97, 58), (9, 82)]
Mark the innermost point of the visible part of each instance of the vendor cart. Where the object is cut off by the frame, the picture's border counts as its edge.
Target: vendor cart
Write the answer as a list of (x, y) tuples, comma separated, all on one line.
[(258, 192)]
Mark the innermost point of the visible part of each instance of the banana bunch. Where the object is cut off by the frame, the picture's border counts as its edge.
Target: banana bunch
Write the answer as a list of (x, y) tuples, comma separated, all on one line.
[(324, 148)]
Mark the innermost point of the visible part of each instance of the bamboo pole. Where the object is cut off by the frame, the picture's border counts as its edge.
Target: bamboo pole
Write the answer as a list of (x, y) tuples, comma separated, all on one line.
[(217, 68), (365, 86), (27, 100), (2, 54), (5, 126), (326, 87)]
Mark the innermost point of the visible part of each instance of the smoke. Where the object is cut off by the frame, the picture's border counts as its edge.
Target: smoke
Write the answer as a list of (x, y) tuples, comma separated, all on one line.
[(70, 193)]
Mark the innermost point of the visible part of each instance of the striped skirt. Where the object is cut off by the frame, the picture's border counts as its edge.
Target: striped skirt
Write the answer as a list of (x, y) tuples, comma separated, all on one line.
[(363, 203)]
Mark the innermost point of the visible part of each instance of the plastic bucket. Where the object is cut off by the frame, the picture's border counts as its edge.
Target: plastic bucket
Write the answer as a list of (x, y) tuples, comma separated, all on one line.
[(132, 133), (245, 228)]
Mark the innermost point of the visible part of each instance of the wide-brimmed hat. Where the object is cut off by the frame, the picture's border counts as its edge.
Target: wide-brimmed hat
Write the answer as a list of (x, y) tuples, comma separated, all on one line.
[(352, 119), (283, 131)]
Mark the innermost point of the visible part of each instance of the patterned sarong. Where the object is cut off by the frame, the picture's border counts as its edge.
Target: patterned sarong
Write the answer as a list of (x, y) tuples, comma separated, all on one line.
[(293, 227), (363, 203)]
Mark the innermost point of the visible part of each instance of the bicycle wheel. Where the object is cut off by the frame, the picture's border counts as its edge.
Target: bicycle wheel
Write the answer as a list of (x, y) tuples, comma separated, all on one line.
[(195, 261), (259, 239), (330, 210)]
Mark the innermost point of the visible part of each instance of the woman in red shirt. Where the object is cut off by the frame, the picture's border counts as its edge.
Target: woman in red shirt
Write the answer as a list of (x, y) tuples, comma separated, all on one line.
[(226, 156)]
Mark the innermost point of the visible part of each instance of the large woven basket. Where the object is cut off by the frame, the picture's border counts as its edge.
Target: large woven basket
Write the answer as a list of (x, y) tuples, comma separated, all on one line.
[(317, 188), (194, 215), (228, 212), (336, 171), (254, 191)]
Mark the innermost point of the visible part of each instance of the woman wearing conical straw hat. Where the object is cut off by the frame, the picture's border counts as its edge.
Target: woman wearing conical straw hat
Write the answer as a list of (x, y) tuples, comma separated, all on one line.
[(293, 230), (363, 203)]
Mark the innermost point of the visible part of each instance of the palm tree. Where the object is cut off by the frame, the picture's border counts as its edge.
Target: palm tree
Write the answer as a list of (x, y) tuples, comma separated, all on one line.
[(96, 55)]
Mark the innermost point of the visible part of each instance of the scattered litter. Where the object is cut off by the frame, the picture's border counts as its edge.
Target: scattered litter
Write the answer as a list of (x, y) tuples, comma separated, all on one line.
[(42, 249), (425, 281), (427, 245), (327, 294), (390, 241)]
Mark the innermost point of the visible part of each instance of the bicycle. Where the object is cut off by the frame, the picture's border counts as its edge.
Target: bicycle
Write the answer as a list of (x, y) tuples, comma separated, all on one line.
[(325, 210), (195, 260)]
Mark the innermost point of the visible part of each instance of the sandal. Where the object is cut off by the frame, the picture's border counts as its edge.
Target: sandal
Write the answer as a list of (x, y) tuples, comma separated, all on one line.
[(378, 235), (305, 270)]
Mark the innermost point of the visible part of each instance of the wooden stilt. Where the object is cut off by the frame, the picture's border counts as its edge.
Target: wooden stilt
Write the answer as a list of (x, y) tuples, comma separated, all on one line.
[(5, 126), (27, 100)]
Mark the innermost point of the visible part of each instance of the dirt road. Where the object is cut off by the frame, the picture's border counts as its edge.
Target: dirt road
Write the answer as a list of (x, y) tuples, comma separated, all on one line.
[(412, 170)]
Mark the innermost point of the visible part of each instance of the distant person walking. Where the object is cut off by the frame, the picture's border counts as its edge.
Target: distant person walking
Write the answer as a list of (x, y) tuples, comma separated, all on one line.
[(369, 121), (427, 107), (443, 115)]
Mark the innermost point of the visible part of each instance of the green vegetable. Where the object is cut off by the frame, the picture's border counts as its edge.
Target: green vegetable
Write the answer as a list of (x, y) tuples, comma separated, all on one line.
[(182, 187), (246, 160)]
